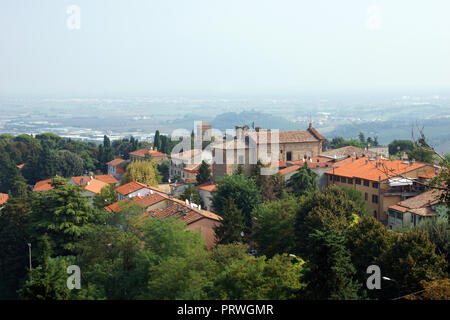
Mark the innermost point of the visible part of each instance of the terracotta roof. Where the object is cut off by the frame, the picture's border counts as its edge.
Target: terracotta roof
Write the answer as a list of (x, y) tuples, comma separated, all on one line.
[(135, 186), (428, 175), (314, 162), (192, 168), (81, 180), (420, 204), (43, 185), (118, 205), (95, 186), (179, 209), (3, 198), (149, 200), (142, 152), (145, 202), (347, 151), (187, 155), (423, 199), (289, 169), (107, 178), (130, 187), (20, 166), (398, 208), (207, 186), (316, 133), (115, 162), (359, 169)]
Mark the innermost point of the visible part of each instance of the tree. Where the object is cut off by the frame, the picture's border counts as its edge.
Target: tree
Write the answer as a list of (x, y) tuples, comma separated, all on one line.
[(259, 278), (399, 146), (68, 164), (273, 226), (329, 209), (204, 173), (107, 196), (413, 258), (163, 168), (14, 220), (433, 290), (358, 198), (140, 171), (329, 272), (303, 182), (369, 242), (362, 138), (232, 225), (271, 185), (48, 280), (105, 153), (422, 151), (438, 231), (63, 213), (244, 191), (157, 141), (191, 193)]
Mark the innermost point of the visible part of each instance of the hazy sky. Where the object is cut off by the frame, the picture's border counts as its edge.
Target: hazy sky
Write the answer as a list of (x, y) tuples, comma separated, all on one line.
[(160, 47)]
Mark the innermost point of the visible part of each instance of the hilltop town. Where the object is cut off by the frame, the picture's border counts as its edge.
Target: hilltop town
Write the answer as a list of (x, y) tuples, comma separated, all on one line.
[(267, 191)]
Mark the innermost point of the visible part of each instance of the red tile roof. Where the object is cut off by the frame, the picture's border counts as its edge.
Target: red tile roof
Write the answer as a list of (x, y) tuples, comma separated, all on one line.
[(3, 198), (428, 175), (134, 186), (142, 152), (107, 178), (149, 200), (130, 187), (289, 169), (145, 202), (95, 186), (115, 162), (43, 185), (369, 171), (420, 204), (179, 209), (348, 151), (207, 186), (20, 166), (81, 180)]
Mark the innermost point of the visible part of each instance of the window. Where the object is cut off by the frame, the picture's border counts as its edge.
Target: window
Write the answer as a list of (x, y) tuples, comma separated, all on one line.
[(375, 185), (337, 178), (241, 160), (344, 179), (399, 216), (289, 156), (350, 181), (375, 213), (366, 196), (374, 198), (358, 181), (331, 177), (366, 183)]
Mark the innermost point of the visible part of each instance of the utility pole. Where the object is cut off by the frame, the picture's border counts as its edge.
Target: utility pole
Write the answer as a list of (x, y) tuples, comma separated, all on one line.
[(29, 253)]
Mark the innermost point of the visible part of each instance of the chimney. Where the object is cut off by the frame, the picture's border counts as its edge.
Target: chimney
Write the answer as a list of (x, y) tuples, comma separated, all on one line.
[(257, 129), (185, 211), (239, 133), (178, 207), (310, 125)]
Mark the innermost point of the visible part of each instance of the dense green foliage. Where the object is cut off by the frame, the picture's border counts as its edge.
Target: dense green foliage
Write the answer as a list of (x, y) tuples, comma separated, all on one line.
[(244, 192)]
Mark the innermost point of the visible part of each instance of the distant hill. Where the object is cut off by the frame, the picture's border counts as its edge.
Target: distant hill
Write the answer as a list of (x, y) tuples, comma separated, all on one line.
[(231, 119)]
